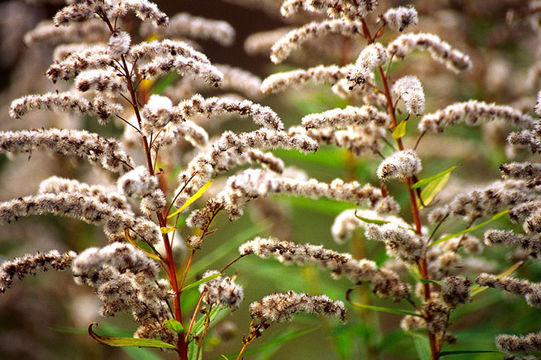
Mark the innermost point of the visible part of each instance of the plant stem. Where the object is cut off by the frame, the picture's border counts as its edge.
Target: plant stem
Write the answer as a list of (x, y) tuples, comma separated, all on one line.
[(423, 268)]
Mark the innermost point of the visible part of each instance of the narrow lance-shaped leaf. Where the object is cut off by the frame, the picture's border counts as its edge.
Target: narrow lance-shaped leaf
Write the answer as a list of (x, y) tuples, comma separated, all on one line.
[(422, 345), (134, 243), (465, 231), (174, 325), (462, 352), (126, 341), (379, 308), (196, 196), (199, 282), (429, 179), (476, 289), (371, 221), (400, 130)]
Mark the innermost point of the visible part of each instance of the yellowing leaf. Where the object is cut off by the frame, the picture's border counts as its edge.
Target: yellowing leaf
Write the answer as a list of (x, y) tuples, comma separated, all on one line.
[(134, 243), (400, 130), (122, 341), (196, 196), (166, 230), (476, 290), (432, 189), (427, 180)]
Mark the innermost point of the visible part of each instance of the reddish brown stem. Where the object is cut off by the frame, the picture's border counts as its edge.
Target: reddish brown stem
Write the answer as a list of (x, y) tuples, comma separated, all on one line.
[(423, 268)]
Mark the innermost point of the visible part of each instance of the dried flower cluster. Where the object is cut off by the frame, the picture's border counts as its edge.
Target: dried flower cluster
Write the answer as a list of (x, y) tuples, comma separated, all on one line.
[(143, 75)]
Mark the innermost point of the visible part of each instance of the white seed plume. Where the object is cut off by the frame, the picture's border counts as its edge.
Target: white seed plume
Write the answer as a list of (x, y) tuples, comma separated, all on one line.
[(384, 282), (399, 241), (523, 343), (348, 220), (222, 154), (221, 291), (194, 27), (473, 113), (530, 291), (164, 48), (440, 50), (400, 18), (174, 133), (47, 32), (262, 115), (486, 201), (71, 60), (85, 208), (372, 56), (156, 113), (105, 152), (351, 115), (334, 8), (30, 264), (143, 9), (254, 183), (161, 65), (319, 74), (529, 213), (527, 138), (455, 290), (57, 185), (109, 81), (400, 164), (360, 140), (524, 170), (235, 79), (119, 44), (139, 182), (123, 277), (531, 244), (292, 40), (260, 43), (410, 90), (66, 101), (279, 307)]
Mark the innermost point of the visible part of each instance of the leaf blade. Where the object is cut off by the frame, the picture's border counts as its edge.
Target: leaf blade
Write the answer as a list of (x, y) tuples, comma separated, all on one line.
[(400, 130), (196, 196), (429, 179), (126, 341), (199, 282), (465, 231)]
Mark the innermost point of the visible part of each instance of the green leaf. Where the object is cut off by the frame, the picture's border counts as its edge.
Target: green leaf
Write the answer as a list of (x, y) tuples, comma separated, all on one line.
[(460, 352), (217, 313), (266, 351), (400, 130), (127, 341), (134, 243), (422, 345), (199, 282), (224, 249), (164, 83), (384, 309), (323, 206), (174, 325), (371, 221), (465, 231), (427, 180), (432, 189)]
